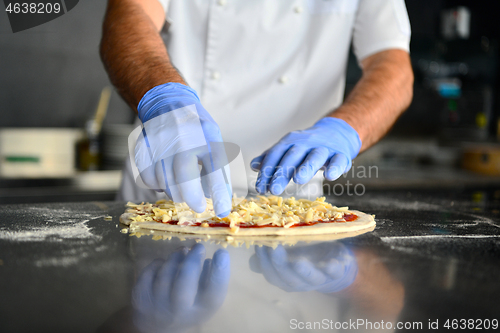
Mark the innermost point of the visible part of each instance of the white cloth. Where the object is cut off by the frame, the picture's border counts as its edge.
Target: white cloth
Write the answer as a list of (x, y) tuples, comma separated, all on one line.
[(263, 68)]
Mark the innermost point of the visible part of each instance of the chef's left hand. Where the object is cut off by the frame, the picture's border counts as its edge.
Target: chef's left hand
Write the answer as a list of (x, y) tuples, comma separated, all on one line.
[(326, 267), (331, 143), (180, 292)]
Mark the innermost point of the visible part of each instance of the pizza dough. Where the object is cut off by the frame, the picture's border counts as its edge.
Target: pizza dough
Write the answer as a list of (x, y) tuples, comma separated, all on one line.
[(247, 241), (261, 216)]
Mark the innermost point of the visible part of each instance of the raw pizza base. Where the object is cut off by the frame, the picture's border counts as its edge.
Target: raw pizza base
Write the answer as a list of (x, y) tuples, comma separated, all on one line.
[(234, 240), (364, 222)]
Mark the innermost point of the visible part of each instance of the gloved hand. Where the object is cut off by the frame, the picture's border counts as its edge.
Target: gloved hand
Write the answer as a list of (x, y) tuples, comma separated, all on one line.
[(178, 134), (180, 292), (331, 143), (327, 267)]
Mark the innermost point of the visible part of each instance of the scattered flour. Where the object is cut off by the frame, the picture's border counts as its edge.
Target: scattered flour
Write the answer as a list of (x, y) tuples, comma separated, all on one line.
[(69, 231), (50, 224), (398, 238), (404, 205), (63, 261), (406, 243), (68, 257), (422, 206), (68, 227)]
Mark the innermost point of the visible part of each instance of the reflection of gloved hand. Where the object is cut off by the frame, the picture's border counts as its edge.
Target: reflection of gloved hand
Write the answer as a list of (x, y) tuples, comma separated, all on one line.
[(326, 267), (330, 143), (180, 292), (179, 133)]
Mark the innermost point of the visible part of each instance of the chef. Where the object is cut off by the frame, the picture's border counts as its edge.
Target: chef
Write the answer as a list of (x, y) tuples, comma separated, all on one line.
[(268, 76)]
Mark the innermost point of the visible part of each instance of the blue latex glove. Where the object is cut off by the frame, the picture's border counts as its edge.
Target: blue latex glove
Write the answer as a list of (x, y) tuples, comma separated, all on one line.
[(182, 291), (326, 267), (178, 135), (331, 143)]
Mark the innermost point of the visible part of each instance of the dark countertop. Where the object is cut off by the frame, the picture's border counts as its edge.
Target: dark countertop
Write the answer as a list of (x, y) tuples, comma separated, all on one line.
[(433, 256)]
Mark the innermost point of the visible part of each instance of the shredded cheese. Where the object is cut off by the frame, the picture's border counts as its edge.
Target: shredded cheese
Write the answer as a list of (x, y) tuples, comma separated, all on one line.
[(261, 211)]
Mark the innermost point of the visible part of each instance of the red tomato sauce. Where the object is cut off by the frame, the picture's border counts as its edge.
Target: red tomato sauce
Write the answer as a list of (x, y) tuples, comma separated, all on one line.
[(347, 218)]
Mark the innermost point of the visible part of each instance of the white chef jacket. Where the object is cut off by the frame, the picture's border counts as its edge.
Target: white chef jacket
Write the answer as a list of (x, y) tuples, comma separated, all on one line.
[(263, 68)]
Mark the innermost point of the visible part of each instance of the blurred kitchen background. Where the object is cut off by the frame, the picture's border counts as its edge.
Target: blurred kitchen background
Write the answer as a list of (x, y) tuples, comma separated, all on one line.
[(63, 131)]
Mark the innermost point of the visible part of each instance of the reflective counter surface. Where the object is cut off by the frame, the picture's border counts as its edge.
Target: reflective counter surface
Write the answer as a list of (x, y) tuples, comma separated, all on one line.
[(433, 262)]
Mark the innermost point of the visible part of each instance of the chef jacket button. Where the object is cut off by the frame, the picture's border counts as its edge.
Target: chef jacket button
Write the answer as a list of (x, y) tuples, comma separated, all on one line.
[(222, 2), (298, 9), (215, 75), (283, 79)]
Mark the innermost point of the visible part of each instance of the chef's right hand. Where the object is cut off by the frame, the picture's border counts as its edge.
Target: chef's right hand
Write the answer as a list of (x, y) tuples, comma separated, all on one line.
[(181, 291), (179, 134)]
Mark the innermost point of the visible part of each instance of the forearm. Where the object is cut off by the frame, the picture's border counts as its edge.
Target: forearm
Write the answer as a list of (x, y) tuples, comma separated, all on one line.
[(133, 51), (383, 93)]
